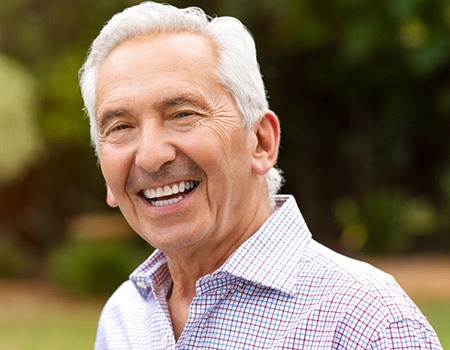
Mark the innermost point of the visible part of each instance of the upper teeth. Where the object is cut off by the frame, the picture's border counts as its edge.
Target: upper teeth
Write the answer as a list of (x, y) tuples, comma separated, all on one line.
[(158, 192)]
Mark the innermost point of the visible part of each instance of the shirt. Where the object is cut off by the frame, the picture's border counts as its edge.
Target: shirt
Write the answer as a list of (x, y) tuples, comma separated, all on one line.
[(279, 290)]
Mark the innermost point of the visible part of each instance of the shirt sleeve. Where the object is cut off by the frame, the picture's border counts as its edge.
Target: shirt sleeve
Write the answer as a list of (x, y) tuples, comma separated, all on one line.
[(100, 337), (407, 334), (112, 329)]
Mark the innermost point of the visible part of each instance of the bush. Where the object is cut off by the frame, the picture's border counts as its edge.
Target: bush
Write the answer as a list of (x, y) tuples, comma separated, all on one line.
[(95, 267), (14, 261), (384, 221)]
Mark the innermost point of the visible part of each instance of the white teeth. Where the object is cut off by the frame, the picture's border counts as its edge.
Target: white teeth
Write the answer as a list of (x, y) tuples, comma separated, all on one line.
[(167, 202), (181, 187), (167, 191)]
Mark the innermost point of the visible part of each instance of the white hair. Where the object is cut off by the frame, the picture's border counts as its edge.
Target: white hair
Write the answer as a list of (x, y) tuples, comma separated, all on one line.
[(237, 70)]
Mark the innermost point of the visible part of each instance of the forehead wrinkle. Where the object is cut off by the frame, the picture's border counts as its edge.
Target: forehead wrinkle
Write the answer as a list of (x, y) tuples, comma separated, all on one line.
[(184, 99)]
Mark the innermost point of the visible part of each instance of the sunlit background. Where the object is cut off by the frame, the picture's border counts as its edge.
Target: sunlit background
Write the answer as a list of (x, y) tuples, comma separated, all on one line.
[(362, 88)]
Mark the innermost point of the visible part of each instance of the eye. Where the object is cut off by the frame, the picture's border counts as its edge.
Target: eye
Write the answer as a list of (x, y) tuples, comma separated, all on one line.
[(119, 127), (183, 114)]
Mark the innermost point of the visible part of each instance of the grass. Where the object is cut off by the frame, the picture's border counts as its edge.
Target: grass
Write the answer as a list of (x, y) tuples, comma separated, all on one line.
[(49, 320), (438, 314), (73, 332), (45, 334), (38, 317)]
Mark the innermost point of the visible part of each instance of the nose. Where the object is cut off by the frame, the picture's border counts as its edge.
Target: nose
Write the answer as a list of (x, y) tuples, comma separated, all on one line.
[(154, 147)]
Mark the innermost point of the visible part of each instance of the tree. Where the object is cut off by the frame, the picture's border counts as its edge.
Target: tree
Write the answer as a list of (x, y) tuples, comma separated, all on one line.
[(362, 88), (20, 139)]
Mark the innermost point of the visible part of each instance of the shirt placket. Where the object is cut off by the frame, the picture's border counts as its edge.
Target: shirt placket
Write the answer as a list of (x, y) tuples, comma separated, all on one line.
[(166, 337), (211, 291)]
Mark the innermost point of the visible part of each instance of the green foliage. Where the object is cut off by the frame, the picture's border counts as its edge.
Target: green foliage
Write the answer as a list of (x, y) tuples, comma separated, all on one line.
[(20, 140), (362, 88), (444, 213), (384, 221), (14, 261), (95, 267), (63, 122)]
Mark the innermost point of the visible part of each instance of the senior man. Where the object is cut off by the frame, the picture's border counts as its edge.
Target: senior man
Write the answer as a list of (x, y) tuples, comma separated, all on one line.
[(187, 146)]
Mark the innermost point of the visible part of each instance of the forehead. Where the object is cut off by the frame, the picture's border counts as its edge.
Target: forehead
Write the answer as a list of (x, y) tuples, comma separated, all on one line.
[(168, 50), (157, 61)]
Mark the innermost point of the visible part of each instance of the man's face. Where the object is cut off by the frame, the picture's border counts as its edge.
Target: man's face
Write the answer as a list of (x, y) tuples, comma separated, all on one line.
[(173, 150)]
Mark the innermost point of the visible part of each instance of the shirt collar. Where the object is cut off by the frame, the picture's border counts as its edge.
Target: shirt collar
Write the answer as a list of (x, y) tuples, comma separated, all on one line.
[(152, 274), (270, 257)]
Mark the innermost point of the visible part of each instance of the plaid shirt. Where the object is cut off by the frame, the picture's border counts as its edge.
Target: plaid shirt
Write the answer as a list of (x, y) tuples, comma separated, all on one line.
[(278, 290)]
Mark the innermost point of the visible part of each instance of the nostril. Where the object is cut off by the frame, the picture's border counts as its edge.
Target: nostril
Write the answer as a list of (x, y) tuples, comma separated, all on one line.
[(151, 158)]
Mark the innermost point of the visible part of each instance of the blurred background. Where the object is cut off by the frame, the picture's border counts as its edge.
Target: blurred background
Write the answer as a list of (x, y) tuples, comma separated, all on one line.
[(362, 89)]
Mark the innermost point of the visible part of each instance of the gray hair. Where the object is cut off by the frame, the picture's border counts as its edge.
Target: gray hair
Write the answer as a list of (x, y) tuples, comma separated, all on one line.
[(238, 69)]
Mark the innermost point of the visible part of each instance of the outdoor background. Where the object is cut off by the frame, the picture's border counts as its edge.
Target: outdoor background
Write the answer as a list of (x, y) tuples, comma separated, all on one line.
[(362, 89)]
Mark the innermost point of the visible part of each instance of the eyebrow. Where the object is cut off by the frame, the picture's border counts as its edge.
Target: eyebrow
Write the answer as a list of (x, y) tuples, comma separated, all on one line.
[(109, 114), (189, 99), (180, 99)]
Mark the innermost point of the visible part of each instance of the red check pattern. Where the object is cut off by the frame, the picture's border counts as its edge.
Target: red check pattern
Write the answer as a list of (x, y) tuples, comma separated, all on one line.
[(279, 290)]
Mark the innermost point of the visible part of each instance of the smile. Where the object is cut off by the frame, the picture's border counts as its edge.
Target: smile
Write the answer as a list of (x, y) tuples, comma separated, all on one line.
[(167, 195)]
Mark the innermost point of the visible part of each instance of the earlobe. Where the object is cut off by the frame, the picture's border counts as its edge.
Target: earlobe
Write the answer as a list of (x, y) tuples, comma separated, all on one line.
[(267, 132), (110, 199)]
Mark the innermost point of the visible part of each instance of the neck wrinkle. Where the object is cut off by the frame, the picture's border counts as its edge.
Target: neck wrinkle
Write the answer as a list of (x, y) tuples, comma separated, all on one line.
[(186, 269)]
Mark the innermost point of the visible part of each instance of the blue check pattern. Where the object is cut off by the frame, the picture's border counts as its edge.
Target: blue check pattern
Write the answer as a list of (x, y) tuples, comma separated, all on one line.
[(279, 290)]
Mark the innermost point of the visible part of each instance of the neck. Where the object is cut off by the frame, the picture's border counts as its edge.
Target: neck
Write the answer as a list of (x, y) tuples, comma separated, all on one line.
[(189, 264), (186, 270)]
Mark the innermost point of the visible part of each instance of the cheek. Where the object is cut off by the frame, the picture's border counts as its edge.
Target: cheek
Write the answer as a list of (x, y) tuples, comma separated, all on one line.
[(207, 148), (222, 131), (224, 154), (115, 166)]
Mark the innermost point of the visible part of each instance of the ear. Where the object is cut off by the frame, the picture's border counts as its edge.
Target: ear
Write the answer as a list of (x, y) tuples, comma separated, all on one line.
[(267, 132), (110, 199)]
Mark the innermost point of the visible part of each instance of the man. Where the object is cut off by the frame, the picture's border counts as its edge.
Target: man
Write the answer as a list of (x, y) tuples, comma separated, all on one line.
[(187, 146)]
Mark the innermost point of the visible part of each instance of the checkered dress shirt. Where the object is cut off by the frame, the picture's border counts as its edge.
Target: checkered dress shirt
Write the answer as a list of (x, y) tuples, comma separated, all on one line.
[(278, 290)]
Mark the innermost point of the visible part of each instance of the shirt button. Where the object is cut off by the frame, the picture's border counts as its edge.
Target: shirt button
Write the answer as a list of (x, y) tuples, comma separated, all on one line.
[(141, 284), (164, 340)]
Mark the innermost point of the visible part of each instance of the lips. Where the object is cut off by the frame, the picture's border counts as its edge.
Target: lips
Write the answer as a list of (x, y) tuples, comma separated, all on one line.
[(169, 194)]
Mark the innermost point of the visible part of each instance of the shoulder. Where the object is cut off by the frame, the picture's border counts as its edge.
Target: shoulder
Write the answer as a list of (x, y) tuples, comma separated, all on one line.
[(119, 317), (118, 305), (365, 302), (352, 283)]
